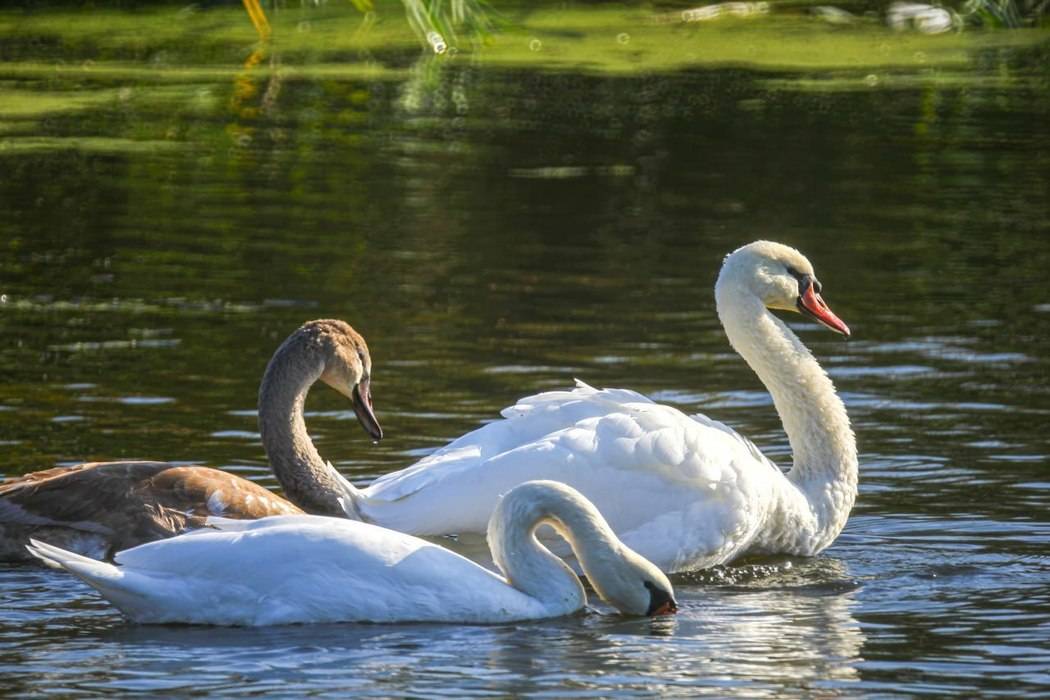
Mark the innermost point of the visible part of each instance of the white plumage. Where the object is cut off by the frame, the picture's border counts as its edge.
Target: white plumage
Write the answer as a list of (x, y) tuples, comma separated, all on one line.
[(685, 492), (640, 461), (303, 568)]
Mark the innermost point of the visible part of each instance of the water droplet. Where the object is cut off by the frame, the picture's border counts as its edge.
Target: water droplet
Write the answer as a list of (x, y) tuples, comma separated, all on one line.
[(623, 38), (535, 45), (437, 42), (871, 80), (3, 298)]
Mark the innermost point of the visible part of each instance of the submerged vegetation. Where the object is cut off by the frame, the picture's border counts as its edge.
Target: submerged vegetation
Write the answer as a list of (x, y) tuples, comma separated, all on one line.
[(601, 37), (157, 75)]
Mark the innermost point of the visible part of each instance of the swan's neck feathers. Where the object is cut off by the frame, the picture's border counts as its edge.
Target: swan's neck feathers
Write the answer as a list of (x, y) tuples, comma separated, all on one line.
[(532, 568), (822, 485), (306, 478)]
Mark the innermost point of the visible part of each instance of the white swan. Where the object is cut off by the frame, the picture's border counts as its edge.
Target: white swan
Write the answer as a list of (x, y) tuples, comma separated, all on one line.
[(685, 492), (288, 569), (101, 507)]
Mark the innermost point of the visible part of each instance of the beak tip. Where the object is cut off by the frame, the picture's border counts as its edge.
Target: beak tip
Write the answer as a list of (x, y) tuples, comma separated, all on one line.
[(362, 403), (811, 304), (670, 607)]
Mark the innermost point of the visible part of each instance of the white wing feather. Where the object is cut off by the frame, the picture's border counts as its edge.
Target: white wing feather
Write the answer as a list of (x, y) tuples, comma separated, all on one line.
[(680, 490)]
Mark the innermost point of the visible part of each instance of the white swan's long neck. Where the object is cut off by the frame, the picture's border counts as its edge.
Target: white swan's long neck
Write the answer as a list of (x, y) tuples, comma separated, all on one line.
[(306, 479), (814, 417), (532, 568)]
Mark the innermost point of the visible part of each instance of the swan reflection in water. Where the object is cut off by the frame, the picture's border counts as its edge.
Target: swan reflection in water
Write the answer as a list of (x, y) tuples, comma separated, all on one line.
[(791, 628), (771, 627)]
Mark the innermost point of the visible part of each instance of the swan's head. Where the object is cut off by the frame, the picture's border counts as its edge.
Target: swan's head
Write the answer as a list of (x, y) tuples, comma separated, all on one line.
[(781, 277), (635, 586), (621, 577), (347, 367)]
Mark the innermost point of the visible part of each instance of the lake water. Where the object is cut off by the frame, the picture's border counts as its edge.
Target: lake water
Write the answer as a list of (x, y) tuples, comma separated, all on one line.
[(176, 199)]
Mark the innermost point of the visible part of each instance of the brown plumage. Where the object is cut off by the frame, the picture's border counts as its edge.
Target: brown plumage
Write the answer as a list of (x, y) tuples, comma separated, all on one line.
[(100, 508)]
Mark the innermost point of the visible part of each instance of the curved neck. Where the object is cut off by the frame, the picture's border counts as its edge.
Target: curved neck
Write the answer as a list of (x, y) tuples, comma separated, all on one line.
[(532, 568), (306, 479), (822, 443)]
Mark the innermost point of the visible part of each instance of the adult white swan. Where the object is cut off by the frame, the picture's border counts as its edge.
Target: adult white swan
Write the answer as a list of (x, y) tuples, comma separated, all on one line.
[(101, 507), (685, 492), (289, 569)]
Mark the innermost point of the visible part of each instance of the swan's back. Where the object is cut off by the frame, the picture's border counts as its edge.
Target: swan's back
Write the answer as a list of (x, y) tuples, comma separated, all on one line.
[(290, 569), (528, 421), (648, 468)]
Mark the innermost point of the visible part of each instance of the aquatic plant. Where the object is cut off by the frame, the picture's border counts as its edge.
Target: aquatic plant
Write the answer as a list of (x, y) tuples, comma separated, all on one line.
[(435, 22)]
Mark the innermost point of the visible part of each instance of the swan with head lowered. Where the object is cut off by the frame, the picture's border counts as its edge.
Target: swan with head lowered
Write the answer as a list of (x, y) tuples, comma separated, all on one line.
[(294, 569), (102, 507), (686, 492)]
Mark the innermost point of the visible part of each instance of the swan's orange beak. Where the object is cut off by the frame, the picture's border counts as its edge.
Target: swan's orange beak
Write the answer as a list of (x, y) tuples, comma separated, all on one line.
[(661, 602), (362, 400), (668, 608), (811, 304)]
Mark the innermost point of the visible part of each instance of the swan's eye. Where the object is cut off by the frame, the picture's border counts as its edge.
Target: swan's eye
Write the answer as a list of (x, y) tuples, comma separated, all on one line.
[(805, 279)]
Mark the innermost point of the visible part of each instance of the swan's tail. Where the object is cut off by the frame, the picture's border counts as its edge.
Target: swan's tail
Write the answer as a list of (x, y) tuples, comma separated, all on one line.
[(80, 566), (107, 579), (100, 575)]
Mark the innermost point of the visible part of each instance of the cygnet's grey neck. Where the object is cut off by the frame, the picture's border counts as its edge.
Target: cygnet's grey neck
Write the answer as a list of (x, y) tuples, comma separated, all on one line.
[(306, 480)]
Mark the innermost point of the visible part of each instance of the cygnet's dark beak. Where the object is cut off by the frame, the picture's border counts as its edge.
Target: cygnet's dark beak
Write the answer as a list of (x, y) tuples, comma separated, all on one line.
[(362, 400)]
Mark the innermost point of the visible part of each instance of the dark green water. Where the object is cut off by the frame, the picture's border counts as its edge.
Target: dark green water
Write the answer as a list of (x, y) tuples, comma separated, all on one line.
[(494, 229)]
